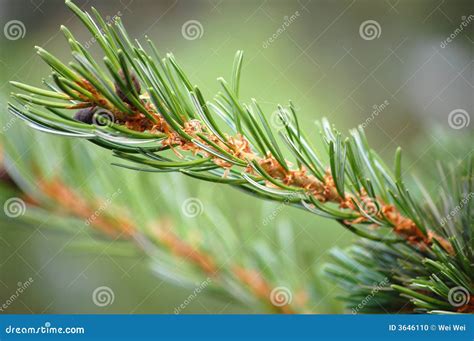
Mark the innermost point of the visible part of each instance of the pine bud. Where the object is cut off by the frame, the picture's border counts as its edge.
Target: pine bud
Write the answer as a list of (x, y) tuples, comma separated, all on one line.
[(94, 116), (85, 115), (135, 83)]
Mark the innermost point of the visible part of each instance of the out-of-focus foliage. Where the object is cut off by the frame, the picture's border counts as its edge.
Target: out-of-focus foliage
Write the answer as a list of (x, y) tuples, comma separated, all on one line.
[(186, 239)]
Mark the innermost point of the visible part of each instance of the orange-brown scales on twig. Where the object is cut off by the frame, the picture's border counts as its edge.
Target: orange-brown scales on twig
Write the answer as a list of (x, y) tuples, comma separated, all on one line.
[(238, 146)]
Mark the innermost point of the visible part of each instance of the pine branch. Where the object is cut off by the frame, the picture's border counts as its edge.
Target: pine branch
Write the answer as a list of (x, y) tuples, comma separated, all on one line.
[(116, 226), (373, 274), (357, 189), (146, 110)]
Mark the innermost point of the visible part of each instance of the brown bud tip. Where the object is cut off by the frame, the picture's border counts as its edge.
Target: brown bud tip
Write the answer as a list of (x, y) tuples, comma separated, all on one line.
[(135, 83)]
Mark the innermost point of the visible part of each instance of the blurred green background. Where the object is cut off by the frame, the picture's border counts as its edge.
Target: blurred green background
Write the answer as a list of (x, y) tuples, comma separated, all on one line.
[(312, 52)]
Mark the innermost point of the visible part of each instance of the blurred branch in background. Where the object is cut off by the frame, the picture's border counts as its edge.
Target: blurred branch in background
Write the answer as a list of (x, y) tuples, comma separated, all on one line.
[(199, 248)]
